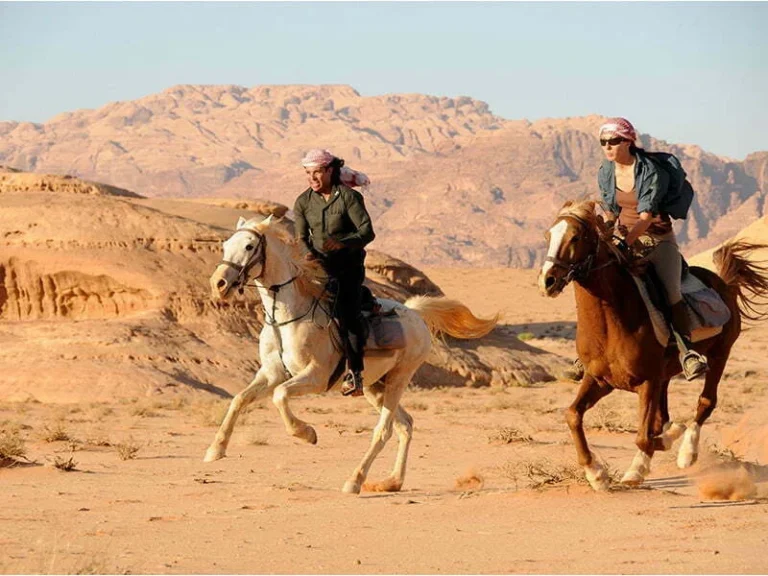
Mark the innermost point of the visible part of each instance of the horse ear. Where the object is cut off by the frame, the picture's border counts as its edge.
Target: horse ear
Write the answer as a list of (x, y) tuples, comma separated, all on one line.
[(591, 205), (567, 204), (267, 220), (240, 223)]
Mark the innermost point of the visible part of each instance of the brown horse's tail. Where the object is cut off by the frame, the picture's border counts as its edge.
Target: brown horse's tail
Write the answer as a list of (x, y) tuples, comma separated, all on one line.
[(451, 317), (749, 279)]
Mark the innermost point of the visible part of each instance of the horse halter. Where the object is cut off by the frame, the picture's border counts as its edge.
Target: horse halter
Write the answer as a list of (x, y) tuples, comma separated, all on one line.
[(260, 252), (578, 270)]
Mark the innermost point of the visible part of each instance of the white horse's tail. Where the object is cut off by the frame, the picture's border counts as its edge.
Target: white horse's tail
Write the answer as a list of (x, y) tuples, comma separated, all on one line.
[(451, 317)]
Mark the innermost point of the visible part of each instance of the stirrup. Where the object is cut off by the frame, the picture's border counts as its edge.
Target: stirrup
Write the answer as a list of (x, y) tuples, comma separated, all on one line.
[(694, 364), (352, 385)]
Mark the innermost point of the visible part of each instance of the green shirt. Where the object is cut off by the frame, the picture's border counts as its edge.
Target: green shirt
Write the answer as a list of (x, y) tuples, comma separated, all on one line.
[(343, 218)]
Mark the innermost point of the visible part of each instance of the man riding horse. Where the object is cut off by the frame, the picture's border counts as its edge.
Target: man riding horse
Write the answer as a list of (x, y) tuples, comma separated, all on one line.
[(334, 227)]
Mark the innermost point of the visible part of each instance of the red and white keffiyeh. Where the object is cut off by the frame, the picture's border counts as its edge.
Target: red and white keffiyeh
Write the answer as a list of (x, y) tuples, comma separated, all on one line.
[(620, 127), (349, 177)]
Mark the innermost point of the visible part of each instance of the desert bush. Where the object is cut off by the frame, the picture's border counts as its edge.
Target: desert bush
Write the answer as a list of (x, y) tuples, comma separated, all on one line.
[(12, 446), (55, 432), (127, 450), (509, 435)]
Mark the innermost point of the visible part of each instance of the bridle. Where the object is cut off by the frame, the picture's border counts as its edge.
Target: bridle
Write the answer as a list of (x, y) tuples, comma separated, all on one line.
[(243, 269), (581, 269), (259, 256)]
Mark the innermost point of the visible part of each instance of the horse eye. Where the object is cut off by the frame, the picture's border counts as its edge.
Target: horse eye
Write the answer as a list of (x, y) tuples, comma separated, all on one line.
[(249, 247), (575, 239)]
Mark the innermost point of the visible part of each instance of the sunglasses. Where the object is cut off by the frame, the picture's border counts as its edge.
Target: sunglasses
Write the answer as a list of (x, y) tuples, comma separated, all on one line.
[(615, 141)]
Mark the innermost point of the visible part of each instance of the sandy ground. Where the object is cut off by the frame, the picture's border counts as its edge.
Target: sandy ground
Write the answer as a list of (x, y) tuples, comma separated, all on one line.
[(491, 486)]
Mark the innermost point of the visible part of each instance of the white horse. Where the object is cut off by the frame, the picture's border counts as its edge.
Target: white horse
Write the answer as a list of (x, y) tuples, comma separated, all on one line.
[(298, 355)]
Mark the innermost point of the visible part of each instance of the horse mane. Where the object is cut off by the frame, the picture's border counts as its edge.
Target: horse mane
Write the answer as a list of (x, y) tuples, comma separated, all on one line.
[(312, 278), (581, 210)]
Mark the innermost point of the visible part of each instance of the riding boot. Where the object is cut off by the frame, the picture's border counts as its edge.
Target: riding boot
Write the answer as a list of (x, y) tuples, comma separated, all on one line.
[(353, 384), (353, 381), (693, 363)]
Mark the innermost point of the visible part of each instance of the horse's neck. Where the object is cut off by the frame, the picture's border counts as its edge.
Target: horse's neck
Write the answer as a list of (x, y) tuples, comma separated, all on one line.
[(288, 301), (608, 293)]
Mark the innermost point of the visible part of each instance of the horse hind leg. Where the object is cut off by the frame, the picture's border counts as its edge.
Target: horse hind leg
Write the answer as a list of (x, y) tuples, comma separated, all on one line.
[(403, 425), (386, 400), (689, 448), (665, 433)]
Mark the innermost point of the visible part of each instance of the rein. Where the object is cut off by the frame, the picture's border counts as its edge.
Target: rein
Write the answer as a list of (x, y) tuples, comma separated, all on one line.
[(270, 319), (579, 271)]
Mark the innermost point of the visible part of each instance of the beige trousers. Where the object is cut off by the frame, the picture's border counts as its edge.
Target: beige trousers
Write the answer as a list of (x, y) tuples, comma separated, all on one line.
[(667, 262)]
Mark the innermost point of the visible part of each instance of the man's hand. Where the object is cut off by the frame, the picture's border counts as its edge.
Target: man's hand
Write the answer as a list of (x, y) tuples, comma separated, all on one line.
[(331, 245)]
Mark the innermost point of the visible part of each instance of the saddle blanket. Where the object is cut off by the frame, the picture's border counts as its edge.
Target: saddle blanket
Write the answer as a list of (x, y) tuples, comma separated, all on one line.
[(386, 331), (706, 310)]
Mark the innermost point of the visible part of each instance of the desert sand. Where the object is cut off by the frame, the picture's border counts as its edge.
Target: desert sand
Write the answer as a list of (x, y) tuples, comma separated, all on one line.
[(492, 485)]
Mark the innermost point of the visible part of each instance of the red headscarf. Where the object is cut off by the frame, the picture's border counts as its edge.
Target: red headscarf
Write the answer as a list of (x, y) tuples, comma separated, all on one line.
[(619, 126), (317, 157)]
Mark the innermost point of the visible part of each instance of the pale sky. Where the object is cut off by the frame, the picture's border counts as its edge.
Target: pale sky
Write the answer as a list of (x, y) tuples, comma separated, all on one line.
[(688, 72)]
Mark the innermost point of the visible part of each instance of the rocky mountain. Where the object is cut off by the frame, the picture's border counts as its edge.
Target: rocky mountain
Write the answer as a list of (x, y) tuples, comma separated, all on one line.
[(104, 294), (452, 183)]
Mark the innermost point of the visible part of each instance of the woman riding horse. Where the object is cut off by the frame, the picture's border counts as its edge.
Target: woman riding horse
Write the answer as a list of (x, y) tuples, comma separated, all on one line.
[(636, 191), (334, 227)]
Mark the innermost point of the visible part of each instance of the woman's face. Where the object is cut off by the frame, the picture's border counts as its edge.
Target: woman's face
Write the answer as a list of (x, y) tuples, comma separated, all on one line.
[(614, 146), (319, 177)]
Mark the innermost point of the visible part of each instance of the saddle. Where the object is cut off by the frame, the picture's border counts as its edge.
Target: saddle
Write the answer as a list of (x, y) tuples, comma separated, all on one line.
[(706, 310), (385, 330)]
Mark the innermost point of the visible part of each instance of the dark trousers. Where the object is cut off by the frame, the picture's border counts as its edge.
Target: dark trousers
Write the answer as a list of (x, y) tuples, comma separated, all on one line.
[(348, 301)]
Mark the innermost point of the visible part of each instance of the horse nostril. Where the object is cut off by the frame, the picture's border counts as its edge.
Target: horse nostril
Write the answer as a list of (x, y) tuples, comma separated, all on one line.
[(221, 283), (550, 281)]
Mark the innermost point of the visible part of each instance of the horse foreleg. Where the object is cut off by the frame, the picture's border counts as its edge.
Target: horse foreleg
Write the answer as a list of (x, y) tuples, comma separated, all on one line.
[(259, 387), (589, 393), (648, 404), (689, 448), (310, 380)]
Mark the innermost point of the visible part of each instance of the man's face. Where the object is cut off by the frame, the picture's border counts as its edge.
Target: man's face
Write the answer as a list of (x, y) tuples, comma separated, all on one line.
[(319, 177)]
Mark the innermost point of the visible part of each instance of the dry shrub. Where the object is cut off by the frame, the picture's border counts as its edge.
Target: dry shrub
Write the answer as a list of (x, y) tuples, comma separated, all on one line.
[(509, 435), (143, 411), (417, 406), (544, 472), (127, 450), (726, 482), (471, 480), (610, 420), (318, 410), (56, 432), (212, 413), (99, 440), (65, 465), (12, 447)]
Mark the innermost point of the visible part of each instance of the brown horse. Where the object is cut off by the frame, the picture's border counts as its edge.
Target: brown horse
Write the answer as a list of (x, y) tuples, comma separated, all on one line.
[(616, 342)]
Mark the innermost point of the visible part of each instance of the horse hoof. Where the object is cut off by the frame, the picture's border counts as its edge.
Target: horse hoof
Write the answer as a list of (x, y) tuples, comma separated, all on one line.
[(308, 435), (686, 459), (351, 487), (632, 478), (214, 453), (597, 478)]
